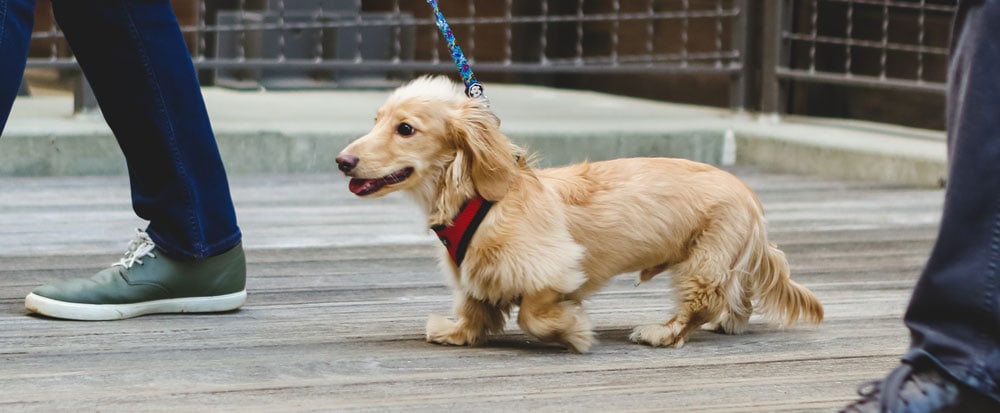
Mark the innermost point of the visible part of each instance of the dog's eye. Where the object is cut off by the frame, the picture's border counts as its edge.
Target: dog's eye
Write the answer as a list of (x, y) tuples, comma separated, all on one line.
[(404, 129)]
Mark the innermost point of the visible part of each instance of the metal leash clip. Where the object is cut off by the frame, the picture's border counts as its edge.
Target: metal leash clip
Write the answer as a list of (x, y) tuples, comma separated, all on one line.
[(473, 88)]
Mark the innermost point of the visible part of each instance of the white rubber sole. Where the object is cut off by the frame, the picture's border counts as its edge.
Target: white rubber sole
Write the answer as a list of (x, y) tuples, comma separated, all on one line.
[(100, 312)]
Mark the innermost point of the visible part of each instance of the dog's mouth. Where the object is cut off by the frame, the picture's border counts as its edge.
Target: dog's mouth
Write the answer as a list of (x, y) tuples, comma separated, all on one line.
[(363, 186)]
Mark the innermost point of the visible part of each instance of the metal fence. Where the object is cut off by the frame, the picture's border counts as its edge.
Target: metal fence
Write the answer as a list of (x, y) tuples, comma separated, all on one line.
[(885, 44), (348, 43)]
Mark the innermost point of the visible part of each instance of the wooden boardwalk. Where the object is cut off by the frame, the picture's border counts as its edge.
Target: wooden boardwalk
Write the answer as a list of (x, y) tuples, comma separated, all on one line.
[(340, 289)]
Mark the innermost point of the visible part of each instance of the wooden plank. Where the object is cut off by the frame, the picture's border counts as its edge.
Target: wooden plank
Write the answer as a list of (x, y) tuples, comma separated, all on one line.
[(340, 290)]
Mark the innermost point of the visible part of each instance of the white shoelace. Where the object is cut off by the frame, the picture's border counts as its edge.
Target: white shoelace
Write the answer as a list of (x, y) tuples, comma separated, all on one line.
[(140, 247)]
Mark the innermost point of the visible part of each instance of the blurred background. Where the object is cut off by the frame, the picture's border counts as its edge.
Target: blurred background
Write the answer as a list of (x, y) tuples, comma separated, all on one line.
[(875, 60)]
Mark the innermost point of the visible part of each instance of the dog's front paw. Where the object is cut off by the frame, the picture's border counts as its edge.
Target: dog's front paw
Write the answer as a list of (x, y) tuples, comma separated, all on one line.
[(658, 335), (441, 330)]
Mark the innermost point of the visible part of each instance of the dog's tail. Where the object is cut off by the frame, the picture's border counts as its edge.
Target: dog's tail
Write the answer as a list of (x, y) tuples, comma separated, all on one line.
[(776, 295)]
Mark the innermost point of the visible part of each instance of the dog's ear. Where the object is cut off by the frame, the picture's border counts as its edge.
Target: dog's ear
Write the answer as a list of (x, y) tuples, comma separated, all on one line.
[(491, 157)]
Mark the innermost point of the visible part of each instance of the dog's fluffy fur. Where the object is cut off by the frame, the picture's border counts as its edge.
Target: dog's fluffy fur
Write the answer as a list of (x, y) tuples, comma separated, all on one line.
[(555, 236)]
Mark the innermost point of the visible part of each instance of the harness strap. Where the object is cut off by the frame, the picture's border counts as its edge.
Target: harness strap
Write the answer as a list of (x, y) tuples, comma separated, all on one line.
[(457, 236)]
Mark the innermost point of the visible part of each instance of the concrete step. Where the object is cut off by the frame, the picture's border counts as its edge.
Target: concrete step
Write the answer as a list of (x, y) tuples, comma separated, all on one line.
[(302, 132)]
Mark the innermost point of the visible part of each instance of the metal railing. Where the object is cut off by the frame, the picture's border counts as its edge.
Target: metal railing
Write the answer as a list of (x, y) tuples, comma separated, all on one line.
[(885, 44), (758, 47), (349, 42)]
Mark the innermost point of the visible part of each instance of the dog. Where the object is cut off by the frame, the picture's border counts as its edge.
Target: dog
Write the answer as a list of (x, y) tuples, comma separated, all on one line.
[(545, 239)]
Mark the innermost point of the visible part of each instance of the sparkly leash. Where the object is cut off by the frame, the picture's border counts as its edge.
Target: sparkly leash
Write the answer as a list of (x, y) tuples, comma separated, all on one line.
[(473, 88)]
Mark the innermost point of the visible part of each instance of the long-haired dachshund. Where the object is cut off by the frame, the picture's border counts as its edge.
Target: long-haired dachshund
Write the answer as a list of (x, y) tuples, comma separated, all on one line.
[(545, 239)]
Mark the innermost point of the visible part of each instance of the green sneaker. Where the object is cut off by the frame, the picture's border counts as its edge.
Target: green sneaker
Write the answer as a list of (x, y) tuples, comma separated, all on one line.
[(147, 281)]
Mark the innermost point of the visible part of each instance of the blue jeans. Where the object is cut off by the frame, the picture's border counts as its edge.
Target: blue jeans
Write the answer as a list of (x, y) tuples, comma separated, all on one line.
[(954, 314), (139, 67)]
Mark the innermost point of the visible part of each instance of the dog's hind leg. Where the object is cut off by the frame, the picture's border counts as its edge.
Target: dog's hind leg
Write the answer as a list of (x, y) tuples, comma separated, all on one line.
[(476, 321), (699, 303), (706, 290), (733, 321), (548, 316)]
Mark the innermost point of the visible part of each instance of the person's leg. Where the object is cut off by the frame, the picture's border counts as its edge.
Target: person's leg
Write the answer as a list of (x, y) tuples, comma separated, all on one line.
[(190, 258), (16, 20), (954, 314), (139, 67)]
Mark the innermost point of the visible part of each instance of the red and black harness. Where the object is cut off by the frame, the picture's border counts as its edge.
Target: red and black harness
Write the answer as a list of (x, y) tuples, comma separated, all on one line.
[(456, 237)]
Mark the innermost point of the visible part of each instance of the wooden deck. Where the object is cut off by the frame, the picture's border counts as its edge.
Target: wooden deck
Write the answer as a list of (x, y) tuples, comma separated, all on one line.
[(340, 289)]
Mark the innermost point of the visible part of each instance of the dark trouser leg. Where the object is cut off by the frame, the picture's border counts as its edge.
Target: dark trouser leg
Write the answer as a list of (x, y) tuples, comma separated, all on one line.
[(16, 19), (954, 315), (139, 67)]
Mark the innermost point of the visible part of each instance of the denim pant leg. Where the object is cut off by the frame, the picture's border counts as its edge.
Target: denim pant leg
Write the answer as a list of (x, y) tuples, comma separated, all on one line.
[(134, 55), (16, 20), (954, 315)]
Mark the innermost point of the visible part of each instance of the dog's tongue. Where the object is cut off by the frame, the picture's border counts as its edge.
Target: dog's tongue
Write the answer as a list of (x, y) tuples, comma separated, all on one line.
[(363, 186)]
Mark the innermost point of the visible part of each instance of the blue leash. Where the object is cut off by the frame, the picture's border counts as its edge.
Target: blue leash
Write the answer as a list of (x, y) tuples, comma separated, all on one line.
[(473, 88)]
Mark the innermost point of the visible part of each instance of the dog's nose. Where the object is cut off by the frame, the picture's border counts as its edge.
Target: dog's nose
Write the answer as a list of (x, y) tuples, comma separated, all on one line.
[(347, 162)]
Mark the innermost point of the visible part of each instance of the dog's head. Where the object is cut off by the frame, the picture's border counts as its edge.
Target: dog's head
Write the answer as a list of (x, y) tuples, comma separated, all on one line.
[(429, 129)]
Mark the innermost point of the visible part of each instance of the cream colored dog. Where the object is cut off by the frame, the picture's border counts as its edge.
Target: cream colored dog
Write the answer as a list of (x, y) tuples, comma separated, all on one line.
[(548, 238)]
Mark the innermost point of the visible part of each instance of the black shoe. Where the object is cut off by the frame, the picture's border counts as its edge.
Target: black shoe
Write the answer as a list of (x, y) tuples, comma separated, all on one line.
[(919, 389)]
